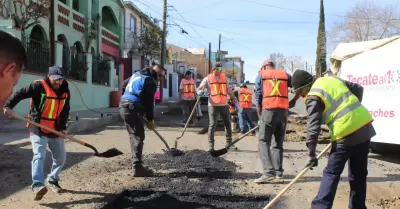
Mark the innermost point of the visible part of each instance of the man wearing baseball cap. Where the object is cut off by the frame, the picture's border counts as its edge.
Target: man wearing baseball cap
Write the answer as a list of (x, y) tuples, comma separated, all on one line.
[(218, 89), (49, 106)]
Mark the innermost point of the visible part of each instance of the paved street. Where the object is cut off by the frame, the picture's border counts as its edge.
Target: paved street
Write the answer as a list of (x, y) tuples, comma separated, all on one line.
[(91, 180)]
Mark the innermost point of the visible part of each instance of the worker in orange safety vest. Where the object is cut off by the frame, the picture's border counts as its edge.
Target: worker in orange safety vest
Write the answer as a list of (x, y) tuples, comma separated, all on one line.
[(271, 94), (245, 109), (218, 88), (187, 96), (50, 107)]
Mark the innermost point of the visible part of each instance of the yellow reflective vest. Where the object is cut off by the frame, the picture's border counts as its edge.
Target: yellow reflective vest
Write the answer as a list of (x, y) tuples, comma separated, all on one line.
[(344, 114)]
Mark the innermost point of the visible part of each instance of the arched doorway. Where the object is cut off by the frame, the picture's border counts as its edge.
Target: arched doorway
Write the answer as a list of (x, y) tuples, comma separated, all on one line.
[(65, 53), (38, 50), (78, 62), (109, 20)]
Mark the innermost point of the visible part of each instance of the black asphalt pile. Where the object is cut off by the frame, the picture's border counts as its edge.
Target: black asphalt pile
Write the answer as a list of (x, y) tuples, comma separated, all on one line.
[(194, 164), (142, 199)]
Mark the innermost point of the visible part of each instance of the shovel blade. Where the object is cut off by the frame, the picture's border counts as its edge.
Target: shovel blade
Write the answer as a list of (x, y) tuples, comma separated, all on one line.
[(174, 152), (110, 153), (217, 153)]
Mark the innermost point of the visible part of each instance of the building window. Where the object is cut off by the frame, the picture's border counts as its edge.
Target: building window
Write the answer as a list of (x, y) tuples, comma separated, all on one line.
[(133, 25), (63, 1), (75, 5)]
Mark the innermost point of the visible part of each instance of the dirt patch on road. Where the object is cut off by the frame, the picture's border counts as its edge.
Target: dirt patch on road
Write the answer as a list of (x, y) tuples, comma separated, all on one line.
[(296, 130)]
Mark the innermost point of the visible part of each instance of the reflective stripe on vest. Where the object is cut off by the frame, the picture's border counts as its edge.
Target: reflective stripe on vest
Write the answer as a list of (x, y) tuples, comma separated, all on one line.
[(343, 113), (50, 107), (218, 89), (275, 89), (188, 88), (245, 98)]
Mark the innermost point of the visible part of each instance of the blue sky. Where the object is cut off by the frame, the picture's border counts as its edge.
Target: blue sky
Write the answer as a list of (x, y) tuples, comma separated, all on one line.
[(268, 26)]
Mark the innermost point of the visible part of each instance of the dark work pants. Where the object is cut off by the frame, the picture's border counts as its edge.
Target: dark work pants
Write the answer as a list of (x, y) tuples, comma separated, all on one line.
[(132, 114), (213, 113), (187, 107), (272, 132), (358, 160)]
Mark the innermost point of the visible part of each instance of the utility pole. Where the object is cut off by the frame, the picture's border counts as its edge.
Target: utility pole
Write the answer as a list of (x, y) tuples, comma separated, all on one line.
[(292, 67), (163, 35), (209, 57), (52, 34), (306, 67), (219, 48)]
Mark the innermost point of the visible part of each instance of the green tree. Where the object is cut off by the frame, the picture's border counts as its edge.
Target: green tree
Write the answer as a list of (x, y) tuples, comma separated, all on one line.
[(320, 63)]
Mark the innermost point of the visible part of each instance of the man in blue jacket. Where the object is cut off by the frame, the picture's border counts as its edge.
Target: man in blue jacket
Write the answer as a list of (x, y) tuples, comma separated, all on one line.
[(137, 100)]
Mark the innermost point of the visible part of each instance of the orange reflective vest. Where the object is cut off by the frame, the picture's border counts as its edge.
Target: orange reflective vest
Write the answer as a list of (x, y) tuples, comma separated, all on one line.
[(245, 98), (275, 89), (50, 107), (218, 89), (188, 88), (232, 107)]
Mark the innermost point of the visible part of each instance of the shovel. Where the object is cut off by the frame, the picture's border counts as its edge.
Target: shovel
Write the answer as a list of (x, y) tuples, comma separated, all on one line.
[(170, 151), (273, 201), (187, 122), (217, 153), (107, 154)]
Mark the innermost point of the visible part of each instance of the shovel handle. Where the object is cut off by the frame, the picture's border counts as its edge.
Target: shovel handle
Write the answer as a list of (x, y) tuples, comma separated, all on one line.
[(159, 135), (273, 201), (50, 130), (242, 136), (188, 120)]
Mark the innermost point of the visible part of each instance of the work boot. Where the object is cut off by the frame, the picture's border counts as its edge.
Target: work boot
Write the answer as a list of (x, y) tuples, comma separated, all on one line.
[(210, 146), (39, 192), (141, 171), (264, 179), (55, 187)]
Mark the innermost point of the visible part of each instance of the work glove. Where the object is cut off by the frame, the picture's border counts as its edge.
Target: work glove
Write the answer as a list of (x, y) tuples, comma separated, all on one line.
[(312, 160), (150, 124), (236, 105), (292, 103)]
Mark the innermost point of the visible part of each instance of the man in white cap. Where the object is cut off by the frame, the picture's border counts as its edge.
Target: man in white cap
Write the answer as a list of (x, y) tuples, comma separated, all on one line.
[(49, 106)]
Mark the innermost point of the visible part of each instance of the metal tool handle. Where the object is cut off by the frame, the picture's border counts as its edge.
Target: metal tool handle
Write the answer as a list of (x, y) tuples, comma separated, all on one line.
[(159, 135), (242, 136), (273, 201), (55, 132), (190, 117)]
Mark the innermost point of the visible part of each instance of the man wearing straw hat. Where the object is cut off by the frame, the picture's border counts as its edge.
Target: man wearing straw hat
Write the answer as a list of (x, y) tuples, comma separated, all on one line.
[(337, 103), (271, 93)]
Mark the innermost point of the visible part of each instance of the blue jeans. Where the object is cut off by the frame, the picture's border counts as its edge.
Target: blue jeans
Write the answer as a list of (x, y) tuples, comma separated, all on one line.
[(57, 149), (358, 160), (245, 119)]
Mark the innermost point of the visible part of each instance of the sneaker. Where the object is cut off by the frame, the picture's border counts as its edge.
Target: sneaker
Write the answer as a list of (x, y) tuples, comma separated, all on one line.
[(56, 187), (141, 171), (264, 179), (279, 178), (39, 192)]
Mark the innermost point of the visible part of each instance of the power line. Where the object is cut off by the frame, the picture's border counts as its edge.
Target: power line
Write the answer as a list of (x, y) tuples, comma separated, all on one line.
[(189, 24), (188, 37), (206, 6)]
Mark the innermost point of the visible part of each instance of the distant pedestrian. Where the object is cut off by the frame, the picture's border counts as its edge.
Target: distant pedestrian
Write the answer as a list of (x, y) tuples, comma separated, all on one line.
[(245, 109), (216, 83), (12, 62), (49, 106), (271, 92), (337, 103), (138, 100), (187, 96)]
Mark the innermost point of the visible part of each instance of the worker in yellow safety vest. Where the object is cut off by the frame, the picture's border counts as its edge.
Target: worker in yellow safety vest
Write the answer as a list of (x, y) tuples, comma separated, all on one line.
[(337, 103), (187, 96), (218, 88)]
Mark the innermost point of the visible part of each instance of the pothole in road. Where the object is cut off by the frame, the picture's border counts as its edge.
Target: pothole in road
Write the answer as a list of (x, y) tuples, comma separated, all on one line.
[(148, 199), (210, 173)]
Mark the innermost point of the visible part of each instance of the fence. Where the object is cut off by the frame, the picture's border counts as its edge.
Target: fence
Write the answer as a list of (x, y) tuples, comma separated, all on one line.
[(100, 70), (38, 54)]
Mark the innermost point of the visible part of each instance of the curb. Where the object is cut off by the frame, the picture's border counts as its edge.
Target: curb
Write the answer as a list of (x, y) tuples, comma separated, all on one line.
[(86, 124)]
